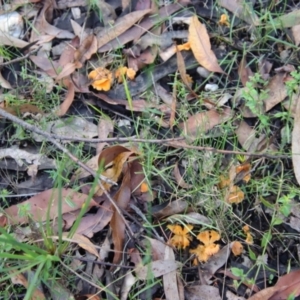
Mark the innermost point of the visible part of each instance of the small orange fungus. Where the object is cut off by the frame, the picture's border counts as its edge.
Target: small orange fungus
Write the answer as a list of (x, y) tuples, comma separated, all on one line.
[(124, 72), (102, 79), (208, 238), (224, 20), (181, 238), (237, 248)]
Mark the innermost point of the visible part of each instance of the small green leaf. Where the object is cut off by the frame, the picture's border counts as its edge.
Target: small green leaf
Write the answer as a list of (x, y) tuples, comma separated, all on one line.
[(266, 238), (252, 254)]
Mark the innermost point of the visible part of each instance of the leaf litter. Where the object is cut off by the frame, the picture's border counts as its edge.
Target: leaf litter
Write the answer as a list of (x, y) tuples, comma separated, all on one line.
[(200, 73)]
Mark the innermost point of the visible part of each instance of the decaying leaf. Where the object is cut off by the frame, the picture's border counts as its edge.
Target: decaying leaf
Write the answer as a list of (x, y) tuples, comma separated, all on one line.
[(181, 238), (206, 291), (44, 206), (296, 142), (201, 47), (21, 279), (83, 242), (200, 123), (208, 238), (120, 26), (156, 269), (286, 286)]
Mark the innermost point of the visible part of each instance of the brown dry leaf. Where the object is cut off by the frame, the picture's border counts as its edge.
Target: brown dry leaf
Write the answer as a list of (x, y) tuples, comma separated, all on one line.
[(39, 205), (181, 238), (102, 79), (82, 242), (214, 264), (200, 123), (208, 238), (42, 27), (244, 71), (156, 269), (174, 207), (296, 142), (237, 248), (21, 279), (117, 224), (179, 179), (92, 223), (86, 49), (4, 83), (63, 108), (206, 291), (201, 47), (50, 67), (136, 31), (113, 170), (242, 10), (67, 70), (277, 93), (121, 25), (12, 41), (286, 285)]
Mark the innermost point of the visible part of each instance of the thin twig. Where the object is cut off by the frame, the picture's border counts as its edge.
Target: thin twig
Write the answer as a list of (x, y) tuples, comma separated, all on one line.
[(20, 58)]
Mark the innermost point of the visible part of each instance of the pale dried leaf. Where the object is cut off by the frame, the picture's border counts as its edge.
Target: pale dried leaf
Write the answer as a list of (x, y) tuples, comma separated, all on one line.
[(288, 20), (296, 34), (244, 71), (174, 207), (200, 123), (39, 205), (63, 108), (120, 26), (201, 47), (207, 292), (296, 142), (169, 279), (156, 269), (21, 279), (83, 242)]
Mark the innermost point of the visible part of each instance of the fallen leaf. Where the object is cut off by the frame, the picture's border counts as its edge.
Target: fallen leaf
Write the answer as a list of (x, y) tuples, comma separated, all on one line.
[(200, 123), (169, 209), (296, 34), (86, 49), (286, 286), (169, 279), (156, 269), (179, 179), (136, 31), (21, 279), (207, 292), (82, 241), (242, 10), (201, 47), (214, 264), (296, 142), (64, 107), (44, 206), (237, 248), (288, 20), (181, 238), (117, 224), (244, 71), (121, 25)]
